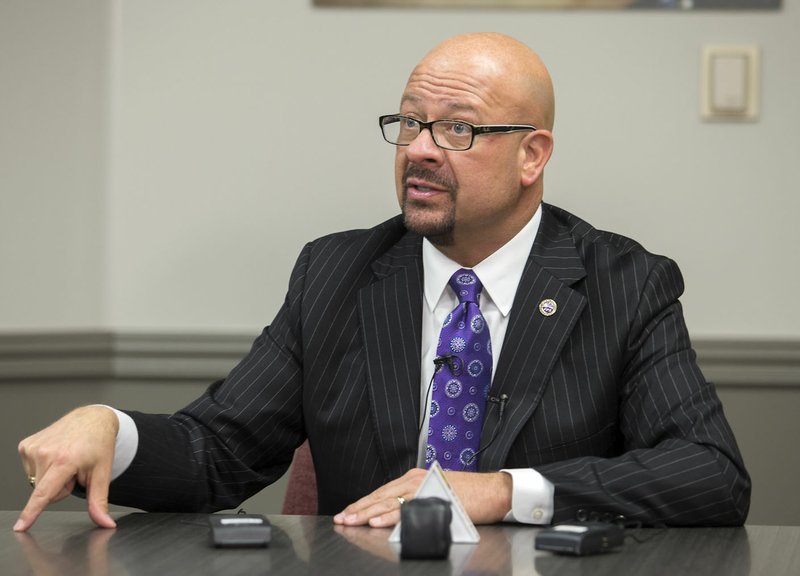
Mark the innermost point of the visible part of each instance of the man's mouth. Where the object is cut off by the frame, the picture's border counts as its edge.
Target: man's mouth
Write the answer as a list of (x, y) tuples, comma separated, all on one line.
[(422, 186)]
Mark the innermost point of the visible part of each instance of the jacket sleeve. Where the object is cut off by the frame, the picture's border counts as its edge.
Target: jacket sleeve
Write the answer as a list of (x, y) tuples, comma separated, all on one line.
[(238, 437), (680, 464)]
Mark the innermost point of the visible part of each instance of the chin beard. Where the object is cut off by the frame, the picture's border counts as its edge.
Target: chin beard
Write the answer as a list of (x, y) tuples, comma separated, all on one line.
[(435, 225), (438, 229)]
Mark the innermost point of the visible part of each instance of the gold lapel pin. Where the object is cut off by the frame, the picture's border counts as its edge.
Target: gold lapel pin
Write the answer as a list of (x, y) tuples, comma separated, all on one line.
[(548, 307)]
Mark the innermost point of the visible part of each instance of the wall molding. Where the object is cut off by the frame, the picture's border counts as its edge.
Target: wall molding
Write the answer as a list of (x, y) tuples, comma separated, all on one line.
[(180, 356), (750, 363), (106, 355)]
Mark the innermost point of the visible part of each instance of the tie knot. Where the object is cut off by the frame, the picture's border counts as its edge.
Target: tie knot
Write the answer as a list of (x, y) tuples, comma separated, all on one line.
[(466, 284)]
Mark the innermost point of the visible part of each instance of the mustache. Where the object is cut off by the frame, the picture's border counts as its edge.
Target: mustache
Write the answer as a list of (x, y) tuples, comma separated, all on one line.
[(413, 171)]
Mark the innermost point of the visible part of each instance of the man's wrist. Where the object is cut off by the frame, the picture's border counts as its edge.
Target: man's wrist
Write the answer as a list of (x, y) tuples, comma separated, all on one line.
[(126, 444), (505, 494)]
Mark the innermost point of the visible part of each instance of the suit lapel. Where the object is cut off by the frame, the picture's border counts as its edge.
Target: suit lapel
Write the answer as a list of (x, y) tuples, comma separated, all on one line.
[(391, 313), (390, 310), (533, 340)]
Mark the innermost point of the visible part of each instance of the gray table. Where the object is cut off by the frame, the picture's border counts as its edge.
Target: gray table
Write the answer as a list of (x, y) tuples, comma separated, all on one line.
[(65, 543)]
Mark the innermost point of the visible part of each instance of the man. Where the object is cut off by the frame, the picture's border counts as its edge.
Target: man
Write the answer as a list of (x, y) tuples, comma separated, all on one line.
[(596, 402)]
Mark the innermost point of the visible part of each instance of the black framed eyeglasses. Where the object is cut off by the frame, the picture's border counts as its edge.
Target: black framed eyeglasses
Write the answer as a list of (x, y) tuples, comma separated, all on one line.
[(401, 130)]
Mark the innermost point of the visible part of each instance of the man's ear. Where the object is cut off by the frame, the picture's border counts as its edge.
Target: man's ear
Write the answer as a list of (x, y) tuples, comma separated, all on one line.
[(535, 151)]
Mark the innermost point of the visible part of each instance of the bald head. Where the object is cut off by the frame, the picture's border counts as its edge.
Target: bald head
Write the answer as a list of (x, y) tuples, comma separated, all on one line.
[(470, 202), (503, 72)]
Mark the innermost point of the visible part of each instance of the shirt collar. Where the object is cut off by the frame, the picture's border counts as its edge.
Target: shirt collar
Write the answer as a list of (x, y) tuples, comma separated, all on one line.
[(499, 273)]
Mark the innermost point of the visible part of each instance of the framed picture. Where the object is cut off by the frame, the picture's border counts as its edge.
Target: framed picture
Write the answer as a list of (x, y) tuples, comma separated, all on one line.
[(684, 5)]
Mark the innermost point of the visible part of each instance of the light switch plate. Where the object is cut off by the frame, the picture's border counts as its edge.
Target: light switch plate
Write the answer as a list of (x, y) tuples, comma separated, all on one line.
[(730, 83)]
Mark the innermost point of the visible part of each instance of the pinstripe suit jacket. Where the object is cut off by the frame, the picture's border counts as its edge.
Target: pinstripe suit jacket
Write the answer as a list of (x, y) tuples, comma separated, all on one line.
[(605, 397)]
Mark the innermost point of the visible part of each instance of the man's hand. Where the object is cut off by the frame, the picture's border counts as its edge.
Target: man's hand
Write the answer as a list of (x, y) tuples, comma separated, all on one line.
[(77, 448), (485, 496)]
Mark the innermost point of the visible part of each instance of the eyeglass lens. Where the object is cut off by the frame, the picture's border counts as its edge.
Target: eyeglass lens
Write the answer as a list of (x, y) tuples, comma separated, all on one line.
[(446, 133)]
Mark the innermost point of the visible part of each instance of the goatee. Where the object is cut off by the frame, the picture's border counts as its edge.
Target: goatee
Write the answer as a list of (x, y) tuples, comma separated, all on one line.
[(435, 224)]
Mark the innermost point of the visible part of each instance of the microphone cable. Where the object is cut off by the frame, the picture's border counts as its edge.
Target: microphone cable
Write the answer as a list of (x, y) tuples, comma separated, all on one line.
[(451, 361), (501, 400)]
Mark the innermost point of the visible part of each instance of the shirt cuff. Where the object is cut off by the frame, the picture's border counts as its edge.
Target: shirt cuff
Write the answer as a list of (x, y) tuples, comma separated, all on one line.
[(126, 445), (531, 497)]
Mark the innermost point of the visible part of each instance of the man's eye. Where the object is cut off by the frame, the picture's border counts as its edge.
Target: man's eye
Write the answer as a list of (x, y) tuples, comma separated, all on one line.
[(460, 129), (410, 123)]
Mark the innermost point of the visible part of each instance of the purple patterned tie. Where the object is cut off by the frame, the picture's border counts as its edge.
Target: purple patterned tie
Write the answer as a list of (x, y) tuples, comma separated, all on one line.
[(461, 381)]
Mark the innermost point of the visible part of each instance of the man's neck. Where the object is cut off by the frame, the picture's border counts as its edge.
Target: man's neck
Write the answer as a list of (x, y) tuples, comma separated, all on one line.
[(471, 247)]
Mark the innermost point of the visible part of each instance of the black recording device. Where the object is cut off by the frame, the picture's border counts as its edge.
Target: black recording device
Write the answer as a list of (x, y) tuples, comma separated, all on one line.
[(240, 530), (581, 538), (425, 528)]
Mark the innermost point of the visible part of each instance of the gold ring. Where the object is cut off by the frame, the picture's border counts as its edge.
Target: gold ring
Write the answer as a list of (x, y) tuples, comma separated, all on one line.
[(401, 500), (32, 481)]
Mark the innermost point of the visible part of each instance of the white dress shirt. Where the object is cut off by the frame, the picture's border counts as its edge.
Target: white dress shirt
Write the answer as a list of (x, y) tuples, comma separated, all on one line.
[(500, 273)]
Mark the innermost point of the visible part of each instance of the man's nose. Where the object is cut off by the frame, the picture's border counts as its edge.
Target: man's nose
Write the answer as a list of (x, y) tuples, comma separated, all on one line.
[(423, 147)]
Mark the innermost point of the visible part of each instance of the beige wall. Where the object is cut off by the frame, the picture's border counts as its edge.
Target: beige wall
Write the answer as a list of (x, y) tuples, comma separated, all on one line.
[(156, 155), (54, 158)]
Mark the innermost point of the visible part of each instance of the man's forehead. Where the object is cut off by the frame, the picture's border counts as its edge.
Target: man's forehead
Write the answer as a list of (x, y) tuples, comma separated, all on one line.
[(452, 97), (450, 104)]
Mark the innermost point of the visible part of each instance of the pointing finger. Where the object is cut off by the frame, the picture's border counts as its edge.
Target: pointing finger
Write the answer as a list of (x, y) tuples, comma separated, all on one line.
[(49, 488)]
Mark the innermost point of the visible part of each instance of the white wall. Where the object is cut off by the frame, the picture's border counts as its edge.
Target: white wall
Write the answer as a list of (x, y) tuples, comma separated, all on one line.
[(53, 161), (240, 129)]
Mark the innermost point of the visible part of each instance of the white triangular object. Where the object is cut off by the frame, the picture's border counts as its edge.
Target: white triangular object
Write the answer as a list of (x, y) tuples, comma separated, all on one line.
[(435, 484)]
